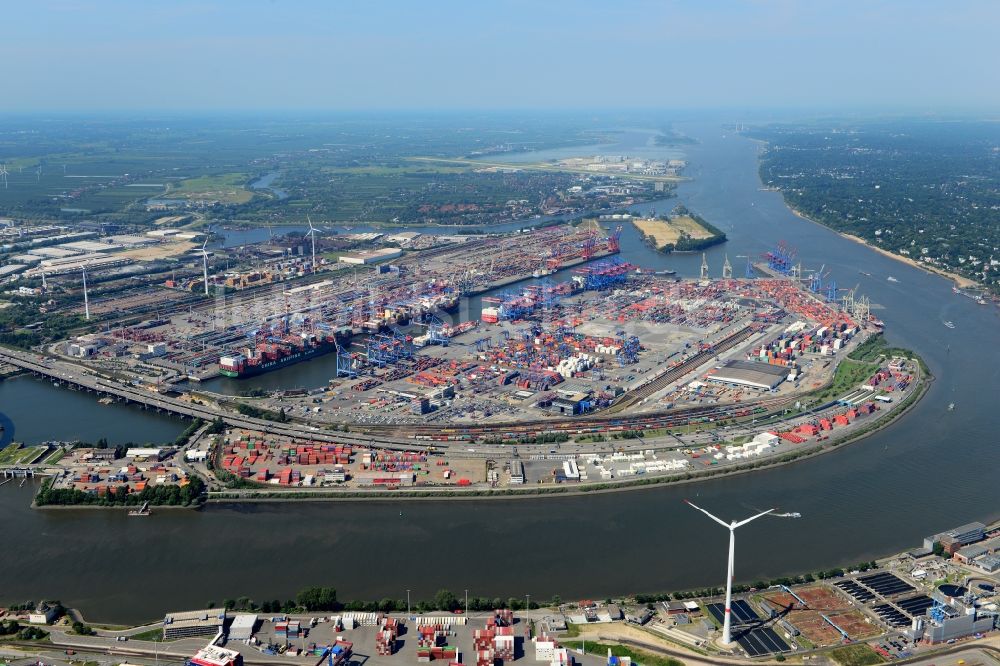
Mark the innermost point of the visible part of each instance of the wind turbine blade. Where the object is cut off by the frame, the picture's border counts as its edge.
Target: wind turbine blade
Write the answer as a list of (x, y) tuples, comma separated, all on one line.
[(718, 520), (744, 522)]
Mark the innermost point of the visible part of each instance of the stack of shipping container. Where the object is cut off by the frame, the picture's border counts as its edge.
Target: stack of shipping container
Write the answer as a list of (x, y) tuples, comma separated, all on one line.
[(385, 639)]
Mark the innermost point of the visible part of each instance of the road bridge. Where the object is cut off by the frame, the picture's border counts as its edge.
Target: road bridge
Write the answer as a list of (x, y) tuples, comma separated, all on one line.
[(65, 374)]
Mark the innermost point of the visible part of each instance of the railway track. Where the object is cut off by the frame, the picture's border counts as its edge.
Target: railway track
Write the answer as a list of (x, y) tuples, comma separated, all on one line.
[(400, 437), (661, 382), (604, 423)]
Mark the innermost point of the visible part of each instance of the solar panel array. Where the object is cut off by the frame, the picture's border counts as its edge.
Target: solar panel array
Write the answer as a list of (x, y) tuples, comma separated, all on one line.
[(916, 606), (891, 616), (742, 613), (857, 591), (761, 641), (886, 584)]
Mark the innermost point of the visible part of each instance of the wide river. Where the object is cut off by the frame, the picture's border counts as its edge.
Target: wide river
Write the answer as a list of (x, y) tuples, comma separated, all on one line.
[(930, 470)]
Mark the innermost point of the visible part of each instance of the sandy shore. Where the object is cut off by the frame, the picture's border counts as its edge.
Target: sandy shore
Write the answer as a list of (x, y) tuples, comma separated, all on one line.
[(959, 280)]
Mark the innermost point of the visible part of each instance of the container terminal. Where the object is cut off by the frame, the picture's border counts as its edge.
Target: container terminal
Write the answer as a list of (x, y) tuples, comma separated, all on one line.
[(574, 367)]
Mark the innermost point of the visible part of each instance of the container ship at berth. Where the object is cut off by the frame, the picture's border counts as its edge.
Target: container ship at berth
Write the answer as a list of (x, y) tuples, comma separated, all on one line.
[(276, 352)]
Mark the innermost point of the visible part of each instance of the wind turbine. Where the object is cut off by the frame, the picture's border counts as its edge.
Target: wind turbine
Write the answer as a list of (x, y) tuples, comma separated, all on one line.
[(727, 637), (204, 263), (3, 172), (312, 233)]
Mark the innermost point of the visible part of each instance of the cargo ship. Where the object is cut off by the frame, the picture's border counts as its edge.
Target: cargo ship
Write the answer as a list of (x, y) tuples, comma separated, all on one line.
[(276, 353)]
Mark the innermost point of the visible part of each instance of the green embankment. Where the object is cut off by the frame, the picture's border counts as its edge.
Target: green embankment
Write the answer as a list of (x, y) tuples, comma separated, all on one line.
[(638, 656), (859, 654)]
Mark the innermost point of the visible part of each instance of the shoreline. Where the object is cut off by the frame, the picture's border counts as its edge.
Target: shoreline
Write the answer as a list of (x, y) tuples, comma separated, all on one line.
[(960, 281), (97, 507)]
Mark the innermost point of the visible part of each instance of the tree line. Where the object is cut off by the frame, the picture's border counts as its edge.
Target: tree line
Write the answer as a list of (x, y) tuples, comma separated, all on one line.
[(158, 495)]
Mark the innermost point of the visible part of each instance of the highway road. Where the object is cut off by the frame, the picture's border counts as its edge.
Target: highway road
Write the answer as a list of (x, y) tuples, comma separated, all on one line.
[(71, 374), (396, 437), (768, 410)]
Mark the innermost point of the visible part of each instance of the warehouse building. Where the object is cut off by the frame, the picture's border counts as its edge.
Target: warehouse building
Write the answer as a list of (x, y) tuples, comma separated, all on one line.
[(750, 374), (384, 478), (516, 472), (193, 623), (371, 256), (243, 627)]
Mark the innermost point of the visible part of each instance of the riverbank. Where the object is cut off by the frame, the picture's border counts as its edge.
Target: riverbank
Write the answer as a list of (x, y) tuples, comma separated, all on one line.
[(918, 390), (98, 507), (959, 280)]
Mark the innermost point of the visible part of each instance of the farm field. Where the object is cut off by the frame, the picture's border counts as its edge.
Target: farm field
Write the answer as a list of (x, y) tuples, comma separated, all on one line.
[(225, 188)]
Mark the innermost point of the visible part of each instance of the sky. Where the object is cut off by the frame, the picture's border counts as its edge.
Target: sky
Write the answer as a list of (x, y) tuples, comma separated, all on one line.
[(904, 55)]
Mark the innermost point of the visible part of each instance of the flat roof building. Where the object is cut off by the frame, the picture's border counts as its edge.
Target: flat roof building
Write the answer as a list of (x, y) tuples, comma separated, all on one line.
[(516, 472), (212, 655), (156, 454), (193, 623), (243, 627), (755, 375), (371, 256), (957, 537)]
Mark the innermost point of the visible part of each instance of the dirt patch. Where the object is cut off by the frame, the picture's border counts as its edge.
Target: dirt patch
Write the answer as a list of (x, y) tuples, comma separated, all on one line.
[(159, 251), (668, 232), (821, 600)]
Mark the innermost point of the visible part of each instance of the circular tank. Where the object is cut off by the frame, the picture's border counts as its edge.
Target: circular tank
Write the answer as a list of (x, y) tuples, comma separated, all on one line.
[(952, 591)]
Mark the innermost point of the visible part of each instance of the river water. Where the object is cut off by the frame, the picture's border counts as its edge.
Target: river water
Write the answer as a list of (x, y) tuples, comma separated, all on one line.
[(930, 470)]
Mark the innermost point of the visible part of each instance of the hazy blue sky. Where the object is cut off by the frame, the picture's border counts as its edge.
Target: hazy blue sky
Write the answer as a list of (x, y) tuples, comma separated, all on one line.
[(133, 54)]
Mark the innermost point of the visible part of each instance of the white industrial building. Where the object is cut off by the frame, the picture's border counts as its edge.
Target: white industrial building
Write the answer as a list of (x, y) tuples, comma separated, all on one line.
[(371, 256), (751, 374), (196, 456), (243, 627), (548, 651), (156, 454)]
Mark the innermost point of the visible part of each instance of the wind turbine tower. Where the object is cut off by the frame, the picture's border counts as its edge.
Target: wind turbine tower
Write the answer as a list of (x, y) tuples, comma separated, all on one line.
[(312, 234), (3, 172), (204, 264), (86, 299), (727, 635)]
